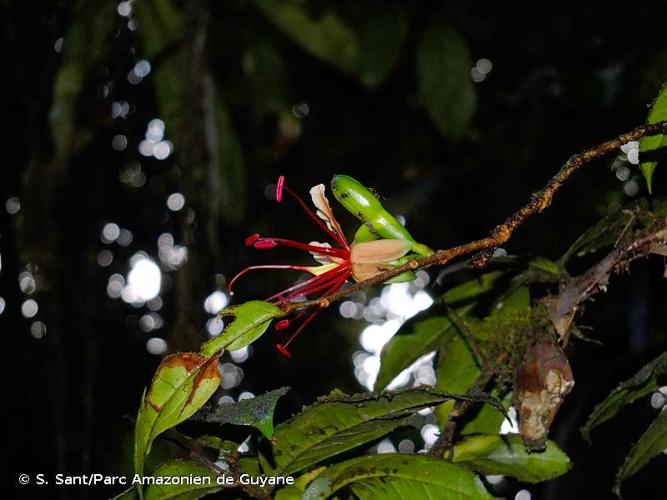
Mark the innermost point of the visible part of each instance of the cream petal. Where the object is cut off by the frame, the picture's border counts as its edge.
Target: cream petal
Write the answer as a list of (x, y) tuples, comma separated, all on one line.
[(378, 251), (324, 210), (361, 272), (317, 270)]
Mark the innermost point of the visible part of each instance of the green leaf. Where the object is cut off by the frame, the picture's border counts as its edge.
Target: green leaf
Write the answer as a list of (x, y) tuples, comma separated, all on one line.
[(339, 422), (289, 493), (265, 71), (256, 412), (603, 233), (162, 34), (488, 420), (447, 90), (644, 382), (165, 42), (398, 476), (370, 55), (545, 265), (181, 385), (128, 494), (415, 338), (509, 314), (88, 40), (471, 291), (164, 38), (227, 158), (507, 455), (657, 114), (325, 37), (381, 38), (456, 369), (650, 444), (251, 321), (162, 26), (185, 491), (295, 492)]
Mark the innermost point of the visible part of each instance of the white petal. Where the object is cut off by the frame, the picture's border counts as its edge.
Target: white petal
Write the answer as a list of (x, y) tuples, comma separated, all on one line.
[(324, 210), (322, 258)]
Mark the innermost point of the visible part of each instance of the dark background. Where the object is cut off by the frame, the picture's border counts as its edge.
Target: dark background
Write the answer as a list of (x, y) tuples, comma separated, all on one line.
[(243, 102)]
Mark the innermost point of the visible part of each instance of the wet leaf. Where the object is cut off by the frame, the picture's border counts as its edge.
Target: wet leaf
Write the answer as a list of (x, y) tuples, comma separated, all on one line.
[(181, 385), (447, 91), (644, 382), (415, 338), (398, 476), (649, 445), (339, 422), (325, 37), (178, 468), (256, 412), (653, 143), (251, 319), (507, 455)]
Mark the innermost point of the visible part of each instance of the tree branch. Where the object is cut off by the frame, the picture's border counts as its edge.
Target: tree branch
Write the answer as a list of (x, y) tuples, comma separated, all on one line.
[(483, 248)]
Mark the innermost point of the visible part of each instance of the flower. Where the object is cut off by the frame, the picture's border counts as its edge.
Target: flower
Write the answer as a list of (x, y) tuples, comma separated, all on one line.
[(337, 263)]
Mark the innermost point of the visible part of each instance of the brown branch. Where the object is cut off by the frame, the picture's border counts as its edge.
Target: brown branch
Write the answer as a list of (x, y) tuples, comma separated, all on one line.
[(573, 293), (501, 233)]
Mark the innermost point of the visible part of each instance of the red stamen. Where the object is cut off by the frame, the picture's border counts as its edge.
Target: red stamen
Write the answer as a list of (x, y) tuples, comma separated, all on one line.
[(250, 240), (265, 244), (283, 350), (255, 268), (324, 276), (283, 347), (316, 287), (279, 188), (326, 283), (283, 324)]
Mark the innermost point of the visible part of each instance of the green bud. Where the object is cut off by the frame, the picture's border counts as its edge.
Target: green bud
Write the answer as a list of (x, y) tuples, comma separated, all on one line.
[(377, 222)]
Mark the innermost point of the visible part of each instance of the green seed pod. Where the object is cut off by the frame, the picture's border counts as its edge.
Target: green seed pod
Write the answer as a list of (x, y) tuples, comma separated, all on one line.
[(364, 234), (378, 222)]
